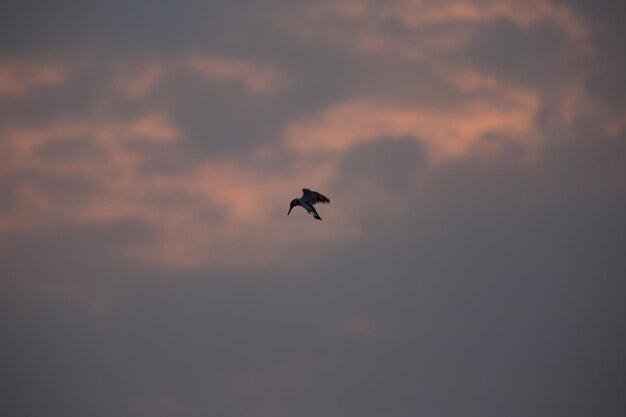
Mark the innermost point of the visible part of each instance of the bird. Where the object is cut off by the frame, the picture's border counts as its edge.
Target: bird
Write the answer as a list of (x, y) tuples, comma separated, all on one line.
[(308, 199)]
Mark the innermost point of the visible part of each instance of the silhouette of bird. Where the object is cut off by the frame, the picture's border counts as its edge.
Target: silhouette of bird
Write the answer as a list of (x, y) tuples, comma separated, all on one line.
[(308, 199)]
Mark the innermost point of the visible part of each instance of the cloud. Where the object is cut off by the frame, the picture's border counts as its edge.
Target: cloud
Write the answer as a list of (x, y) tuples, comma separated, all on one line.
[(139, 78), (218, 211), (472, 250), (208, 213), (143, 84), (138, 156), (19, 76), (104, 161), (256, 78), (448, 133), (468, 80), (413, 29)]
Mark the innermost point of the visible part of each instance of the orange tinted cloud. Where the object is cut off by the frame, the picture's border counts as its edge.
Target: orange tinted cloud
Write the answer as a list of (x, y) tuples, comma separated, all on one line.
[(417, 14), (255, 77), (17, 77), (222, 211), (139, 79), (219, 212), (109, 166), (141, 85), (426, 26), (468, 81), (447, 132)]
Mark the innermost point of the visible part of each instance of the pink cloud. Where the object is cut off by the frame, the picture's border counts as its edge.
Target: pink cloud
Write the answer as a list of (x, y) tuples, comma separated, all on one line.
[(468, 80), (138, 79), (221, 211), (255, 77), (18, 76), (359, 25), (139, 86), (230, 207), (447, 132)]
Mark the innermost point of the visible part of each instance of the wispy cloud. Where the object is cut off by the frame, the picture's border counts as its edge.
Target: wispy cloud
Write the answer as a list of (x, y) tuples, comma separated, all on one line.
[(447, 132), (211, 210), (139, 78), (139, 86), (19, 76), (413, 29), (473, 151), (208, 213), (257, 78)]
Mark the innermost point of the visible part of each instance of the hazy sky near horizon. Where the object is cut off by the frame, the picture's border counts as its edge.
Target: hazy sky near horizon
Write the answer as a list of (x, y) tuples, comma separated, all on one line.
[(471, 262)]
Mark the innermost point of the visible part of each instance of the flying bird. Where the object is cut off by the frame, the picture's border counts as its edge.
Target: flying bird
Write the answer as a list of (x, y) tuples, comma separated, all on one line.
[(308, 199)]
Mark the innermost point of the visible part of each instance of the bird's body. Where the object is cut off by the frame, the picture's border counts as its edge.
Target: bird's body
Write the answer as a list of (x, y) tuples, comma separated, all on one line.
[(307, 201)]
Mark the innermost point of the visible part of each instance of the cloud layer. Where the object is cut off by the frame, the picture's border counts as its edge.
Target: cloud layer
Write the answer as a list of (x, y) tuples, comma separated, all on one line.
[(470, 262)]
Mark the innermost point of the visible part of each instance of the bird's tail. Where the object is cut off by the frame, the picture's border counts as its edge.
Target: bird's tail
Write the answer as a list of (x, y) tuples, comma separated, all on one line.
[(312, 210)]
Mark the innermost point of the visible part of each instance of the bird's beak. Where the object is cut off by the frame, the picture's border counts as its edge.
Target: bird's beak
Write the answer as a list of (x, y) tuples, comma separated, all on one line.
[(290, 207)]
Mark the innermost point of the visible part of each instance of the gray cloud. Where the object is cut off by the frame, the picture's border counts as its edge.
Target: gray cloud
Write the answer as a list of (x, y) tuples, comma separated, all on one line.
[(393, 163), (488, 282)]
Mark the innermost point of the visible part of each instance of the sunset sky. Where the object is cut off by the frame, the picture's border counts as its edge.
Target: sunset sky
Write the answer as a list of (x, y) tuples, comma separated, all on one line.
[(472, 261)]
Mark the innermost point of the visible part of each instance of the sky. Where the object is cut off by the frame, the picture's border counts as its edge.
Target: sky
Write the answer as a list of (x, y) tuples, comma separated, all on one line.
[(470, 263)]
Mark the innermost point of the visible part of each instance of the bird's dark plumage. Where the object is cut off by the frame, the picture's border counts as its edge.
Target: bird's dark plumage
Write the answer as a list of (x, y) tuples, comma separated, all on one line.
[(313, 197), (308, 200)]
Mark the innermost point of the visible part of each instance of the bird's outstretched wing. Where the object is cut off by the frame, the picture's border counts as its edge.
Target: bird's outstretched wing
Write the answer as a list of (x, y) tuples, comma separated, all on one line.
[(313, 197)]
